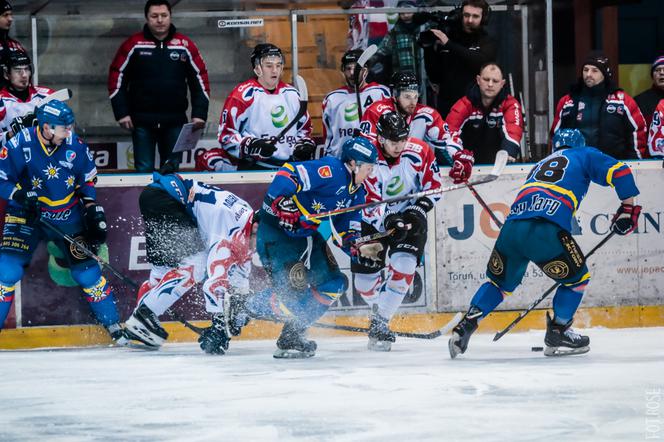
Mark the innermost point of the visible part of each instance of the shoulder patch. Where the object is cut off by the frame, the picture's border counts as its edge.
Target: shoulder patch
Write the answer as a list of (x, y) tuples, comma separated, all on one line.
[(325, 172), (3, 153)]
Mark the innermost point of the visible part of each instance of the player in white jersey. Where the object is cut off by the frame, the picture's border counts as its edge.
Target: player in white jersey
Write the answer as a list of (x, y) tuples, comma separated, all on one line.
[(19, 97), (254, 114), (405, 165), (194, 233), (341, 116)]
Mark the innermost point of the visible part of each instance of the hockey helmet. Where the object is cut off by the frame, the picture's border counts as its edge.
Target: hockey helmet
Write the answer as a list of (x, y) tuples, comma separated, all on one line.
[(18, 58), (349, 57), (359, 149), (55, 113), (392, 126), (404, 81), (263, 50), (563, 138)]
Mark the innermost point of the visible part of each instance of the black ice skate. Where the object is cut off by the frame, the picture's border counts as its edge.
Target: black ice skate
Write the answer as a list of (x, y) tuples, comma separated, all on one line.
[(144, 326), (562, 340), (292, 344), (461, 334), (117, 335), (380, 336), (236, 314)]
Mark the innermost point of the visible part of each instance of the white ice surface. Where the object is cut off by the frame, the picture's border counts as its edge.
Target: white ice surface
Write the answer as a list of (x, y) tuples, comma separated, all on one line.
[(496, 391)]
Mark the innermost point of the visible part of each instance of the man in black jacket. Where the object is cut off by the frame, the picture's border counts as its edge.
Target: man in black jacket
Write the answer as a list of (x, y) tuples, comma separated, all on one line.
[(648, 100), (455, 57), (7, 44), (148, 83)]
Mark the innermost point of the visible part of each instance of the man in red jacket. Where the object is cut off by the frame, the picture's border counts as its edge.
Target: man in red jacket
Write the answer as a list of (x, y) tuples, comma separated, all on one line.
[(488, 119)]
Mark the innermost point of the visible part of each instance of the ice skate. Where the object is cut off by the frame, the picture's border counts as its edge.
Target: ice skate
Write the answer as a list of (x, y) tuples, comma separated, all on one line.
[(562, 340), (118, 335), (380, 336), (461, 334), (292, 344), (144, 326), (236, 314)]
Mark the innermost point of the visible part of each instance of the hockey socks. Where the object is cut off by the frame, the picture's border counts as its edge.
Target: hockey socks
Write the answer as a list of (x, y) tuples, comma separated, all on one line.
[(565, 303), (171, 287), (6, 298), (487, 298), (101, 301)]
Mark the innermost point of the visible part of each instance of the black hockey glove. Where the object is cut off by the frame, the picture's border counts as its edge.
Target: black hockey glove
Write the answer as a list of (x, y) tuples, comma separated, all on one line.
[(20, 123), (304, 150), (214, 339), (95, 224), (416, 214), (30, 203), (258, 148), (625, 219), (398, 222)]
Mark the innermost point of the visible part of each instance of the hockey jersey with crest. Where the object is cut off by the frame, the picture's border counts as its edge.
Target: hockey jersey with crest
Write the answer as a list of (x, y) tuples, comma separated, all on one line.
[(59, 178), (425, 124), (415, 170), (12, 106), (341, 116), (656, 134), (252, 111)]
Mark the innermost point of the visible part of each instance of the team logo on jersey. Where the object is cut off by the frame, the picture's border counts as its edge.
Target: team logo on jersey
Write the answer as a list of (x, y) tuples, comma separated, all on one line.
[(36, 183), (174, 56), (610, 108), (69, 182), (325, 172), (556, 270), (317, 206), (3, 153), (51, 172), (351, 112), (279, 116), (395, 186), (70, 155)]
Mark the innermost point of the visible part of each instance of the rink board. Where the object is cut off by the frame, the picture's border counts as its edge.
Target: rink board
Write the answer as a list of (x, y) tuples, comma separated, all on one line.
[(626, 272)]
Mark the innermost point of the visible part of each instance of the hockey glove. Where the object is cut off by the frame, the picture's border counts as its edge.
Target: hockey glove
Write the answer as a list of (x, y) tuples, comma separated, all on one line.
[(30, 203), (211, 160), (625, 219), (304, 150), (416, 214), (401, 227), (95, 224), (258, 148), (367, 254), (462, 167), (20, 123), (214, 339), (286, 210)]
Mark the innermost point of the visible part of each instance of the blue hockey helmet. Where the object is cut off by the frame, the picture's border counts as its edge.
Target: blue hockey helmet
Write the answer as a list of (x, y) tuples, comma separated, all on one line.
[(567, 138), (55, 113), (359, 149)]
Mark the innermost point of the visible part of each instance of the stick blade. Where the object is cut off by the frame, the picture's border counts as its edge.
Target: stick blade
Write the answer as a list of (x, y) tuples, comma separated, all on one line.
[(366, 55), (301, 86), (500, 163)]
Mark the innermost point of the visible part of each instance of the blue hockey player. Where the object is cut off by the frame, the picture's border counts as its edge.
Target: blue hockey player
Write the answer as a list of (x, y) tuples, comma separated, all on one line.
[(47, 174), (305, 279), (538, 228)]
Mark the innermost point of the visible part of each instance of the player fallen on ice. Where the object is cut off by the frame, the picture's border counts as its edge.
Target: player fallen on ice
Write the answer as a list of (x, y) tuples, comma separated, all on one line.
[(305, 277), (194, 233), (538, 228), (48, 174)]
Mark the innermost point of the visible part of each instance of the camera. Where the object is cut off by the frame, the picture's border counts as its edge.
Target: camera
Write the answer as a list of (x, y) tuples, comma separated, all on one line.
[(439, 20)]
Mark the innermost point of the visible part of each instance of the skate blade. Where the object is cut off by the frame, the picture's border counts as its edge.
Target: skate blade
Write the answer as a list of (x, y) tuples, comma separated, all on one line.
[(565, 351), (293, 354), (455, 350), (138, 332), (375, 345)]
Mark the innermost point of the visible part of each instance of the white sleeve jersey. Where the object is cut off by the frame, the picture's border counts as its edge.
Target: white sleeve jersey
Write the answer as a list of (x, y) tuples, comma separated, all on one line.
[(341, 116), (12, 106)]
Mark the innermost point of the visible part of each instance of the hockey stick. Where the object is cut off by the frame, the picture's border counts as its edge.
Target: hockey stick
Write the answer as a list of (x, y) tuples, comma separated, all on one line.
[(481, 200), (498, 167), (518, 319), (61, 94), (90, 254), (361, 62), (301, 86)]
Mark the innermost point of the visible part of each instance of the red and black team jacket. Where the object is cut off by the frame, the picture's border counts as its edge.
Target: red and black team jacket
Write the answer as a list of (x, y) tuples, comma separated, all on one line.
[(486, 131), (148, 79)]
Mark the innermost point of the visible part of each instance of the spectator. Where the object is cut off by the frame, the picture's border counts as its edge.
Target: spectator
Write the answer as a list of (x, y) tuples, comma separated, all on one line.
[(608, 118), (19, 97), (488, 118), (647, 100), (367, 29), (148, 82), (343, 108), (454, 54), (656, 135), (7, 44), (248, 136)]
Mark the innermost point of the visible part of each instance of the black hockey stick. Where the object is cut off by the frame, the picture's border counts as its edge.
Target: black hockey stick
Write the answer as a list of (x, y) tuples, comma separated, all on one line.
[(481, 200), (535, 303), (90, 254), (361, 62), (301, 87)]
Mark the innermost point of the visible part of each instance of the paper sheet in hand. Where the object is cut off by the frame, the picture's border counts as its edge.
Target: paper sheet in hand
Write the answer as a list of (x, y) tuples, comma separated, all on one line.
[(188, 138)]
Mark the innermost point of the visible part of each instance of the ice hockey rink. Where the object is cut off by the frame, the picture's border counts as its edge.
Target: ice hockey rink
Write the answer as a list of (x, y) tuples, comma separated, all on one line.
[(496, 391)]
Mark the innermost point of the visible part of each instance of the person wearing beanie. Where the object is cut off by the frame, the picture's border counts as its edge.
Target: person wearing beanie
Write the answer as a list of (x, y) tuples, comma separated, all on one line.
[(648, 99), (607, 116), (7, 44)]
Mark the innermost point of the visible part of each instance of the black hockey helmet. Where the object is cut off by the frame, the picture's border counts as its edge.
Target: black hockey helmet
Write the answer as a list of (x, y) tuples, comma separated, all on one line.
[(18, 58), (263, 50), (392, 126), (350, 57), (403, 81)]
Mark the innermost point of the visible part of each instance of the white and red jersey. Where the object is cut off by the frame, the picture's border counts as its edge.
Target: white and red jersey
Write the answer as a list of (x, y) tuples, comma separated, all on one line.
[(424, 124), (251, 111), (656, 133), (415, 170), (341, 116), (12, 106)]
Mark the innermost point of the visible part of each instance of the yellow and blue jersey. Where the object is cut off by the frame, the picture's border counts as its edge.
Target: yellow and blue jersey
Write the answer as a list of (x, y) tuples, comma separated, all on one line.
[(59, 177), (556, 185)]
